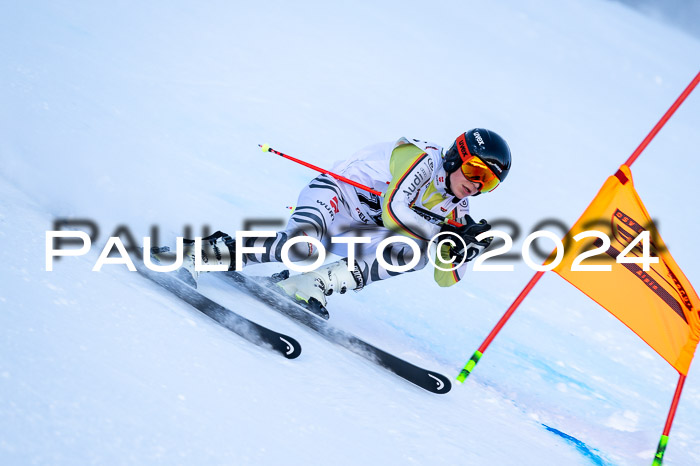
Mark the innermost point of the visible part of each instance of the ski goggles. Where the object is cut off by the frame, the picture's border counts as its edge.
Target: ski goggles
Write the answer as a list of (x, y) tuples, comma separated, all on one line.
[(474, 169)]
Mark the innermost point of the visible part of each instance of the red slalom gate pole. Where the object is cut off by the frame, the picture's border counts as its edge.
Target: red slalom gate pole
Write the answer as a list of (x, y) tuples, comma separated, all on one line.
[(686, 92), (464, 373), (659, 457), (267, 148)]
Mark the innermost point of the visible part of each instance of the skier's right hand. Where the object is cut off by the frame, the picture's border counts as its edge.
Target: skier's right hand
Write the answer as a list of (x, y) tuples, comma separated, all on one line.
[(468, 232)]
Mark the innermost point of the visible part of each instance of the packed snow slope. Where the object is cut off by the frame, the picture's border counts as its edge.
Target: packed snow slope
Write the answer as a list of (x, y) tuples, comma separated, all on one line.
[(142, 114)]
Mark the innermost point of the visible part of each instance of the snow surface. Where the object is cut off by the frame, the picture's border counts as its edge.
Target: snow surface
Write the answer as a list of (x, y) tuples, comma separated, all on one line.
[(149, 113)]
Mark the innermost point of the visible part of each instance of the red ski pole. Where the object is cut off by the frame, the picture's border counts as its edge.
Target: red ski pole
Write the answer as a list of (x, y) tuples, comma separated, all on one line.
[(439, 218), (267, 148)]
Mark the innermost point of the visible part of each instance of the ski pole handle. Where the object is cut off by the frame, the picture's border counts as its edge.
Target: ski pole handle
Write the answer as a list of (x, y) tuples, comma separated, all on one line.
[(437, 217)]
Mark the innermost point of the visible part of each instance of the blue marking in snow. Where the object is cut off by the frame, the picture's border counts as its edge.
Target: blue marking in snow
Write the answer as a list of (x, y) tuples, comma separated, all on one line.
[(552, 373), (585, 450)]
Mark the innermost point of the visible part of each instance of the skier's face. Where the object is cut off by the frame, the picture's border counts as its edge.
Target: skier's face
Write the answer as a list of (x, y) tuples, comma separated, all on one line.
[(461, 186)]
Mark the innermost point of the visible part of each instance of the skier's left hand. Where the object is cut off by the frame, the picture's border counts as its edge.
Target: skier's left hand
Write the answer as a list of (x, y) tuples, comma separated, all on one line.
[(468, 232)]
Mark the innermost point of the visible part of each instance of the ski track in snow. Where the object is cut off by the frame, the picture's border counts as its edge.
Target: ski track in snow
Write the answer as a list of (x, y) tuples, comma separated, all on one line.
[(143, 115)]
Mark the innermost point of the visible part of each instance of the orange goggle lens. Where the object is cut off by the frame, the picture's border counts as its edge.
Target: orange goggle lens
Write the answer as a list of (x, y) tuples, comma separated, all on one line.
[(475, 170)]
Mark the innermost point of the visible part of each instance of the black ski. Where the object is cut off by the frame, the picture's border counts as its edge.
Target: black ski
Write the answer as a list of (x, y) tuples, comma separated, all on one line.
[(249, 330), (260, 288)]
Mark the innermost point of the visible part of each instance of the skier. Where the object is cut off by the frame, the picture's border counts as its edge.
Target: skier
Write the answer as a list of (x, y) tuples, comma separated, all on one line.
[(411, 173)]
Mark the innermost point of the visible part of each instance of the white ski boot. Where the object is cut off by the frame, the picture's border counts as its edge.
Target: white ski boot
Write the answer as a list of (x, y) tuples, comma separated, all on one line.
[(217, 249), (313, 287)]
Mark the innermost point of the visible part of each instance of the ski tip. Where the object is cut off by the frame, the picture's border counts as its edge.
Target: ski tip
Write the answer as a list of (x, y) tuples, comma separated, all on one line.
[(264, 147), (293, 347), (441, 383)]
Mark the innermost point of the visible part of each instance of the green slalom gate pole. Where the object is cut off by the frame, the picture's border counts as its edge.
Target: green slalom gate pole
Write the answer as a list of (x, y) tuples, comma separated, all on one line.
[(659, 457), (477, 355), (469, 367)]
